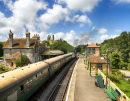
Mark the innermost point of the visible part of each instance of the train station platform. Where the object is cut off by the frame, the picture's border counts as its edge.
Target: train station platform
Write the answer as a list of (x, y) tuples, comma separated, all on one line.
[(83, 87)]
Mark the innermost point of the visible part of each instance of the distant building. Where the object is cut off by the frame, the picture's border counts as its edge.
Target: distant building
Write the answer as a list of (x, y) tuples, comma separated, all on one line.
[(93, 60), (53, 39), (30, 47)]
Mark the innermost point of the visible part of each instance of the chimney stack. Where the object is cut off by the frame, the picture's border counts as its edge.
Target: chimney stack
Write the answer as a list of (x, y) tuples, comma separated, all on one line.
[(10, 39), (27, 39), (52, 37), (38, 38)]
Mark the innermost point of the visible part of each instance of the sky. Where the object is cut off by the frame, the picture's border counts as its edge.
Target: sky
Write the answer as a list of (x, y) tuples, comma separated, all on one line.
[(76, 21)]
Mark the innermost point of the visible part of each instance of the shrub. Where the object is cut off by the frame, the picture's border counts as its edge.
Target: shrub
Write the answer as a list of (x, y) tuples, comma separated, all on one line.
[(114, 78), (129, 81), (24, 61), (3, 68), (118, 72)]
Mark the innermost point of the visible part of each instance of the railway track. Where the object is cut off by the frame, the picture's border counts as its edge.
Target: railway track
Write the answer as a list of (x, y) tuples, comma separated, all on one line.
[(59, 91)]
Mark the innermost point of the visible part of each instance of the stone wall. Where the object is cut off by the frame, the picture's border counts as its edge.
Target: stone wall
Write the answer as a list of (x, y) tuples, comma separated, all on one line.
[(28, 52)]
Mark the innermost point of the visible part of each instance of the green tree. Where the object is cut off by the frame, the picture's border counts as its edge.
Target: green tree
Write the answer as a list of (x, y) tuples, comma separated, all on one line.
[(115, 60), (1, 48), (44, 43), (22, 60), (64, 50)]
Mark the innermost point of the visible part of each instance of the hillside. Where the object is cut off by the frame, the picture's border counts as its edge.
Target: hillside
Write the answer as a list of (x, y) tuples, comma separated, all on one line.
[(121, 44), (63, 46)]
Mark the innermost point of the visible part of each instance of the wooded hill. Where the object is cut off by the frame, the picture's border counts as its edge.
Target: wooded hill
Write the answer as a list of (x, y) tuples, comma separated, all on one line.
[(121, 44), (63, 46)]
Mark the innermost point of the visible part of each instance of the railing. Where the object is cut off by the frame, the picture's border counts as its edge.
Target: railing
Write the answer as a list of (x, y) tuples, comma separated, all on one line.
[(123, 96)]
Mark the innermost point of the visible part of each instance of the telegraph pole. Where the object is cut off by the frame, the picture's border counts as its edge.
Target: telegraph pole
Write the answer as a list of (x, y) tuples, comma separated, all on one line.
[(107, 69), (111, 50)]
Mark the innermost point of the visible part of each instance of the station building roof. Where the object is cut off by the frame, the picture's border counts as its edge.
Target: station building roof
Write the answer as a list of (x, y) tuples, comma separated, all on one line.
[(96, 59), (53, 52), (92, 45)]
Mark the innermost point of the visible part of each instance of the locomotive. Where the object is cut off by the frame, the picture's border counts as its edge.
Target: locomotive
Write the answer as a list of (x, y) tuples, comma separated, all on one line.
[(21, 83)]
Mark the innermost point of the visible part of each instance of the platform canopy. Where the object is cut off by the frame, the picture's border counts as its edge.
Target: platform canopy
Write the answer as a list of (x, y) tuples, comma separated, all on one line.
[(53, 52)]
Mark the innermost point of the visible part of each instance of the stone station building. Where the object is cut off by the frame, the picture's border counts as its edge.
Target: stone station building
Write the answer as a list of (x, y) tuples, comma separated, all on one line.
[(30, 47)]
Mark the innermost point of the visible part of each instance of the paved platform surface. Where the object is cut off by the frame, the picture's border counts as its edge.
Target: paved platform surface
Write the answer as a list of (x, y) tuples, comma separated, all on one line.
[(83, 86)]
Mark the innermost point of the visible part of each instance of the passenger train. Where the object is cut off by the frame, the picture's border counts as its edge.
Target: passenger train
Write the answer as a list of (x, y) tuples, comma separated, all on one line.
[(21, 83)]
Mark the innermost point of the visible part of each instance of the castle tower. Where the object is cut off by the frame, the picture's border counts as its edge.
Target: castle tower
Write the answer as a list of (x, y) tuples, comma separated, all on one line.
[(52, 37)]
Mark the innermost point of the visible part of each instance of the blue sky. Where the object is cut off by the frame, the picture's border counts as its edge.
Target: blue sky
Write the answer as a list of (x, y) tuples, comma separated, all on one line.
[(76, 21)]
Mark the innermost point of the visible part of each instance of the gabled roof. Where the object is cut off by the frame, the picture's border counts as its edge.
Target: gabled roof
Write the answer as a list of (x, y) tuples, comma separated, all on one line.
[(96, 59), (92, 45), (14, 56), (21, 43)]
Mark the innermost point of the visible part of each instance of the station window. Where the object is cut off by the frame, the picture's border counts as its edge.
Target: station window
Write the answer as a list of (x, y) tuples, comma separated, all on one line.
[(21, 88), (11, 64)]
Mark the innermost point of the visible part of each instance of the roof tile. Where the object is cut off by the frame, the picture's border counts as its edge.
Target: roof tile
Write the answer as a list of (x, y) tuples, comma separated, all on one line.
[(20, 43), (96, 59), (14, 56), (93, 45)]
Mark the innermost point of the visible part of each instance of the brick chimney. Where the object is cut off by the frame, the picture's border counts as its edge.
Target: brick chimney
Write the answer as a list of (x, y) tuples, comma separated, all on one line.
[(27, 39), (37, 36), (10, 39)]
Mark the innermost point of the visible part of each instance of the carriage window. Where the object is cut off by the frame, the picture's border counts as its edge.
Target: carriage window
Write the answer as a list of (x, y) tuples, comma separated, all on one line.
[(36, 75), (21, 88)]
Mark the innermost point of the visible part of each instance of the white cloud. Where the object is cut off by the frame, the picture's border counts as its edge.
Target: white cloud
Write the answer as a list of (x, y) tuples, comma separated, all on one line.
[(54, 15), (82, 5), (121, 1), (81, 25), (104, 37), (69, 37), (71, 19), (102, 31), (84, 19), (93, 28), (24, 13), (118, 31), (1, 37)]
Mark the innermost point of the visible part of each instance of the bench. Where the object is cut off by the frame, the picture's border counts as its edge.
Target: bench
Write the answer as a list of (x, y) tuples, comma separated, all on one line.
[(100, 81), (97, 75), (111, 93)]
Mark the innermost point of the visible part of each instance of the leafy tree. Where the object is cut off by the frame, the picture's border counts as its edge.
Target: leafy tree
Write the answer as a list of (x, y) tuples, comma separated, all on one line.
[(44, 43), (1, 48), (64, 50), (115, 60), (22, 60)]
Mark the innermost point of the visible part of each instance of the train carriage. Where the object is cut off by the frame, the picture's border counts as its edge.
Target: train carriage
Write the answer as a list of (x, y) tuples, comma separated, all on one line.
[(20, 84)]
